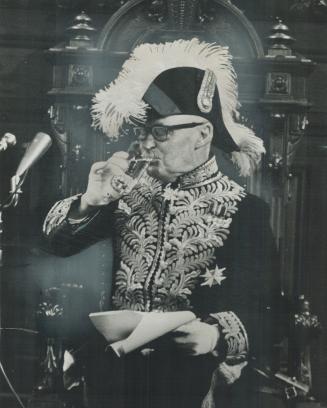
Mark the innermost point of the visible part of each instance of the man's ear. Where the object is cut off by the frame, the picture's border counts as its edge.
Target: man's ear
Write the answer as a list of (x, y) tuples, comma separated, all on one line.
[(205, 135)]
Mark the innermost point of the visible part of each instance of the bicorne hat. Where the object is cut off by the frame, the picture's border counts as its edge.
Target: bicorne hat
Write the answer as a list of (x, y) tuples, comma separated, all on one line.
[(179, 77)]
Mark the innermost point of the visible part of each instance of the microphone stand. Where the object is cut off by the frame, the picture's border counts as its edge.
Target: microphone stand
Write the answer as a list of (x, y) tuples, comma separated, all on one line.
[(11, 201), (39, 145)]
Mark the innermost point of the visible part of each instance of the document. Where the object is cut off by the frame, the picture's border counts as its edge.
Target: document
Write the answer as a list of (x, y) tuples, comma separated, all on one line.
[(127, 330)]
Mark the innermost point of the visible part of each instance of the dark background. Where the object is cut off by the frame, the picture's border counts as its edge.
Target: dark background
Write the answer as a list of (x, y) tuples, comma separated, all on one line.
[(27, 29)]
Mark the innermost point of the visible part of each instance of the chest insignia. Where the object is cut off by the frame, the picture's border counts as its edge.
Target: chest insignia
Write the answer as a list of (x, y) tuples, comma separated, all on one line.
[(213, 277)]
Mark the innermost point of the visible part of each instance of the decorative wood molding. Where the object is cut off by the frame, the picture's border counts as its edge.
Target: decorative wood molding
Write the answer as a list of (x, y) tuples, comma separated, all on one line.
[(178, 17)]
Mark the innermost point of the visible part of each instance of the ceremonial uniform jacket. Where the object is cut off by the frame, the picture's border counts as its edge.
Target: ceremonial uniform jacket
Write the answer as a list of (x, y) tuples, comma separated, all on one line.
[(201, 244)]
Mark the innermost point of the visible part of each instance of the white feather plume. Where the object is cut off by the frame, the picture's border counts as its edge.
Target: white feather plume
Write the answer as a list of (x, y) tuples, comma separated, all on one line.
[(121, 101)]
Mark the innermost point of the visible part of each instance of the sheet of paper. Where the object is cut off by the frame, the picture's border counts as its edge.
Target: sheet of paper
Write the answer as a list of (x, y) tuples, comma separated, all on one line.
[(116, 325), (128, 330)]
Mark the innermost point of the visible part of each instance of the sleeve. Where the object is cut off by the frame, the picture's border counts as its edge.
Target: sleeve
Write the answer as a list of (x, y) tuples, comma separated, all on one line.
[(65, 236), (249, 314)]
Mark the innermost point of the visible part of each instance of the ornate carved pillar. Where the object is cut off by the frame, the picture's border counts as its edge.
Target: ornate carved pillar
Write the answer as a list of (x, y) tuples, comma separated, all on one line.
[(73, 80), (306, 327), (285, 105)]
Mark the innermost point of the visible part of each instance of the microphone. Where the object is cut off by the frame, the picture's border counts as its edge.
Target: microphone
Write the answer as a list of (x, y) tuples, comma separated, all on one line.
[(8, 139), (38, 147)]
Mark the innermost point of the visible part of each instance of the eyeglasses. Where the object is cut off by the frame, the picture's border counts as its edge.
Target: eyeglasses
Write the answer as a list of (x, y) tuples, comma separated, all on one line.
[(160, 132)]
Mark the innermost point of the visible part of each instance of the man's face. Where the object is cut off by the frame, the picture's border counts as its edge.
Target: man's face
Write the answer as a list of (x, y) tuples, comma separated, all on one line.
[(179, 153)]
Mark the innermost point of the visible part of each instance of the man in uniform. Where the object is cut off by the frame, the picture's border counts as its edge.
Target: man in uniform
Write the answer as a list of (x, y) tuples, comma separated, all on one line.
[(187, 237)]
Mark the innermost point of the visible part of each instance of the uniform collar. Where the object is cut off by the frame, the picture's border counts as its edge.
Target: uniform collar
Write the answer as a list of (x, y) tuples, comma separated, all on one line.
[(198, 175)]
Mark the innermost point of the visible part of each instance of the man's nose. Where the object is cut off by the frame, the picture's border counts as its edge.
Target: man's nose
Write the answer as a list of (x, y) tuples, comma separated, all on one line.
[(149, 142)]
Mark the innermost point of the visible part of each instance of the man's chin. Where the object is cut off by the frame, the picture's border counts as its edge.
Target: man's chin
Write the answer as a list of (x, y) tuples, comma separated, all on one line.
[(155, 172)]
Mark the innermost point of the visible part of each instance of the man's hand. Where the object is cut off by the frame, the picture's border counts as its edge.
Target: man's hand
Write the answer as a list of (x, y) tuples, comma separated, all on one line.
[(108, 182), (196, 338)]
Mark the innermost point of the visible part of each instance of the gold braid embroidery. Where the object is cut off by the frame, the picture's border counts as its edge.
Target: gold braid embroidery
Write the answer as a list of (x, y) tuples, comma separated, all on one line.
[(58, 213), (162, 259), (207, 91), (235, 335)]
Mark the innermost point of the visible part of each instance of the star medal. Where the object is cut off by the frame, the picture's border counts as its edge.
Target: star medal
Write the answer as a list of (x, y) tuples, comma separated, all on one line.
[(213, 277)]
